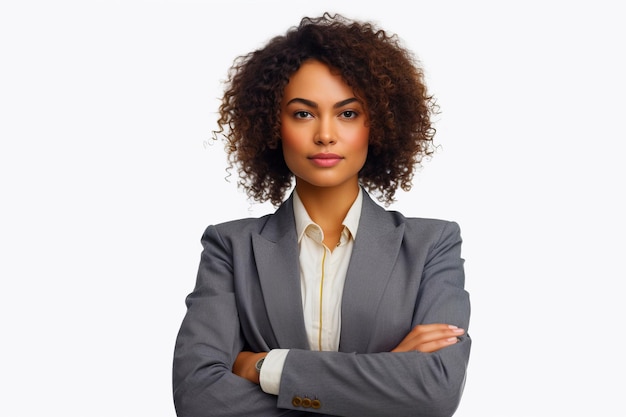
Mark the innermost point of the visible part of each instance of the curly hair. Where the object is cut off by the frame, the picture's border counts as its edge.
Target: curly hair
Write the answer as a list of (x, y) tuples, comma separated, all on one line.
[(383, 73)]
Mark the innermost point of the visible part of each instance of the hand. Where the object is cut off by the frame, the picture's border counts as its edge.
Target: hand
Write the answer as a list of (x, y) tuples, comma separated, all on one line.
[(429, 338), (245, 363)]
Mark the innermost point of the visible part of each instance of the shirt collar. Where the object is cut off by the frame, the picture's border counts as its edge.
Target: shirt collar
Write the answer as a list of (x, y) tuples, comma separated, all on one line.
[(350, 222)]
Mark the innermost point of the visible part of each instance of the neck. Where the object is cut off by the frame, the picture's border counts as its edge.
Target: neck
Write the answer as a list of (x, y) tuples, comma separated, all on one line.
[(328, 206)]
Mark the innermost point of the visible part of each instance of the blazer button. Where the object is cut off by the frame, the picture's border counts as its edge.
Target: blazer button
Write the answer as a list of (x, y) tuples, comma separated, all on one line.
[(296, 401), (306, 402), (316, 404)]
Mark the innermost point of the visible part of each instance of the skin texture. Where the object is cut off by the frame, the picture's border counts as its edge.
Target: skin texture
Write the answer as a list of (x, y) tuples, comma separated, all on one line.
[(321, 114)]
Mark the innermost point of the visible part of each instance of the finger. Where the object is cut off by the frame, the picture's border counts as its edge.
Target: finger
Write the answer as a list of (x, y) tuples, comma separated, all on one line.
[(434, 339), (425, 328), (436, 345), (427, 334)]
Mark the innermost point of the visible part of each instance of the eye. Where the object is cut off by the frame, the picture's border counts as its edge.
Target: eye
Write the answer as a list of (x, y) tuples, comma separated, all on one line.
[(349, 114), (301, 114)]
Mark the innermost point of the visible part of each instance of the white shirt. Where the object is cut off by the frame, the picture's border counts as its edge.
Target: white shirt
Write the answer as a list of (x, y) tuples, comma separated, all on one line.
[(322, 277)]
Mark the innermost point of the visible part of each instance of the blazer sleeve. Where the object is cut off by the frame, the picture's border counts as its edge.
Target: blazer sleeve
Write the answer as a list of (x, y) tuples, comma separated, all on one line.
[(208, 342), (412, 384)]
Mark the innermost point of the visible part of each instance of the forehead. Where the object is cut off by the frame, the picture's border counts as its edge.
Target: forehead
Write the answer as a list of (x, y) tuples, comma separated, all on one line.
[(316, 79)]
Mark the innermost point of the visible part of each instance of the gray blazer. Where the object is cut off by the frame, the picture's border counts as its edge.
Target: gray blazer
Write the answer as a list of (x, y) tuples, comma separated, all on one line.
[(403, 272)]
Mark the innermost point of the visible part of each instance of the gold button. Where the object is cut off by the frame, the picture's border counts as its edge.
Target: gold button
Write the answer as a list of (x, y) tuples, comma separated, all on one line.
[(306, 402), (316, 404), (296, 401)]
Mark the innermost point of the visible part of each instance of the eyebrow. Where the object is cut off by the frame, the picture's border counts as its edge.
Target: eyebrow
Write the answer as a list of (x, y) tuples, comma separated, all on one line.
[(314, 104)]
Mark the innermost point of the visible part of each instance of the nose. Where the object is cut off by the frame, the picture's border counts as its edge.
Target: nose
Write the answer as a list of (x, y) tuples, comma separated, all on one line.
[(326, 134)]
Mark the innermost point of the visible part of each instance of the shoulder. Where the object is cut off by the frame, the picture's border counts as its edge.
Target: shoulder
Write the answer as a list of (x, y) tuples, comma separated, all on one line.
[(419, 226), (430, 225), (430, 236), (271, 226), (231, 236), (237, 229), (418, 233), (429, 229)]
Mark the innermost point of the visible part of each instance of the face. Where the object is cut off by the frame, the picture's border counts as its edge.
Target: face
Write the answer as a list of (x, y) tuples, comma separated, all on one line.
[(324, 128)]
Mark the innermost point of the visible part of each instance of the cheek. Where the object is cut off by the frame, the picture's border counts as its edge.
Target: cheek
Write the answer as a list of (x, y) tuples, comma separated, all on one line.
[(290, 145), (290, 142), (295, 137), (365, 142), (289, 135), (361, 140)]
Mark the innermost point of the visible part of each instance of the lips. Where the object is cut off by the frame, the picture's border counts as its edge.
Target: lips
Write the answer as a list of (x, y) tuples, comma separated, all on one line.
[(325, 160), (326, 156)]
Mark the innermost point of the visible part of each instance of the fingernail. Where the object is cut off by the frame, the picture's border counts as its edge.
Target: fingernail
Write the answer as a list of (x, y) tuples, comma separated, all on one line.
[(452, 326), (452, 340)]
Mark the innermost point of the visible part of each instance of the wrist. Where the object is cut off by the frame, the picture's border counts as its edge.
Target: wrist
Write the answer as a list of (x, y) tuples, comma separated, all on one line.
[(259, 364)]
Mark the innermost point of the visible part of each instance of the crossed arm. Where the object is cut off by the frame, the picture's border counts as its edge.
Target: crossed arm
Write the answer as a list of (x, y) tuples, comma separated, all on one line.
[(425, 338)]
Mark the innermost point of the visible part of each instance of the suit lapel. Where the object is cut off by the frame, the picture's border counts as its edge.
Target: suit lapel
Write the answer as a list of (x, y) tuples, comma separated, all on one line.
[(276, 256), (374, 255)]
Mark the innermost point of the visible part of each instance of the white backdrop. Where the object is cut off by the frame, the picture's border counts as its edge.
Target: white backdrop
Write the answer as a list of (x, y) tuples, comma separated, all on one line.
[(108, 180)]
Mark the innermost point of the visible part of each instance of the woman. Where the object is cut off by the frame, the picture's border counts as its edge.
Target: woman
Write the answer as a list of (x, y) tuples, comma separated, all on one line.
[(332, 305)]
